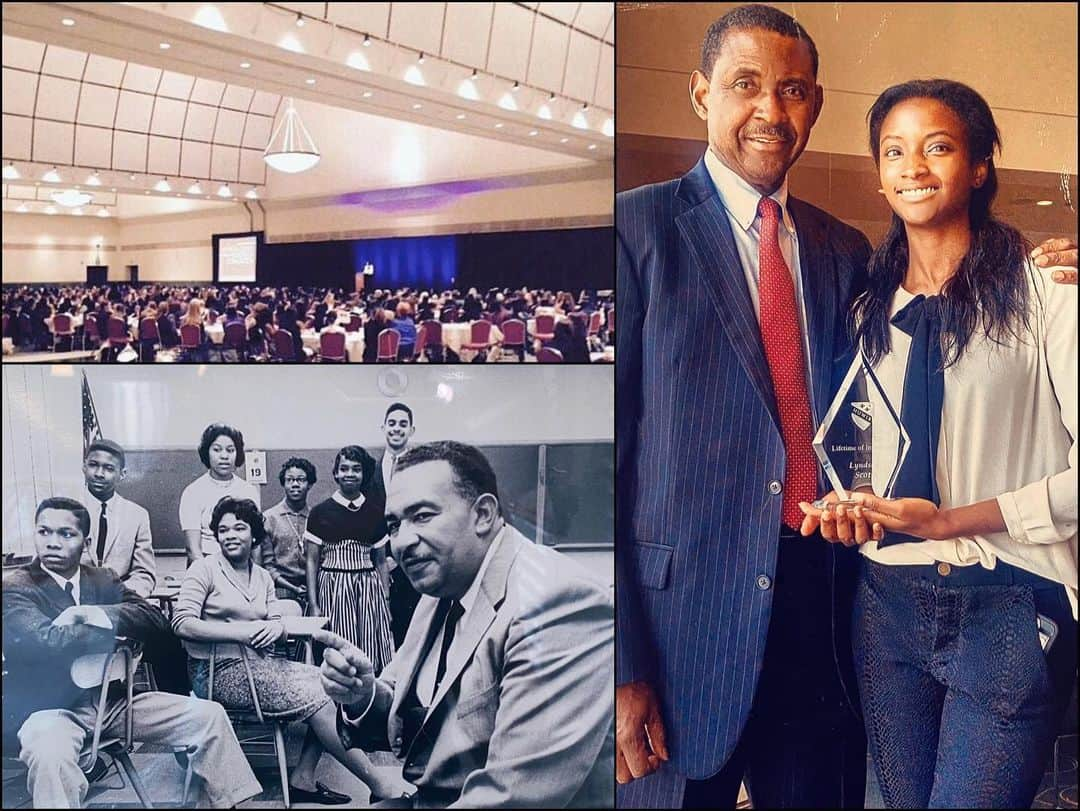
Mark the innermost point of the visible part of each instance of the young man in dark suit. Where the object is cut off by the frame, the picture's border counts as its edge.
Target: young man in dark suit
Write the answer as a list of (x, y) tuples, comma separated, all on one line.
[(55, 611)]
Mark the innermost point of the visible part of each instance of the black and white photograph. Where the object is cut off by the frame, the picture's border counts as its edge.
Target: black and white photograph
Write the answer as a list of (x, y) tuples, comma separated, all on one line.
[(275, 586)]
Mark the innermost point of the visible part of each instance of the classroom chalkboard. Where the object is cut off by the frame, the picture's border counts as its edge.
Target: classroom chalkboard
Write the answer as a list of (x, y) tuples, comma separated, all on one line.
[(578, 502)]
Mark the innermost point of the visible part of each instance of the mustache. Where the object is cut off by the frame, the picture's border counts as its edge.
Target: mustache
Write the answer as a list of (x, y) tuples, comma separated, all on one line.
[(781, 133)]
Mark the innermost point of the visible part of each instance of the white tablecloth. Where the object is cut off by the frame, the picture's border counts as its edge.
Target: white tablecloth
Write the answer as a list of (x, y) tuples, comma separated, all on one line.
[(76, 322), (454, 335), (531, 323), (9, 346), (215, 332), (354, 344)]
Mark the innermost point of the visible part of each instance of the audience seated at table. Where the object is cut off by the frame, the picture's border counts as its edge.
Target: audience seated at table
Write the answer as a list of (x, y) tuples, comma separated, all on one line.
[(304, 312)]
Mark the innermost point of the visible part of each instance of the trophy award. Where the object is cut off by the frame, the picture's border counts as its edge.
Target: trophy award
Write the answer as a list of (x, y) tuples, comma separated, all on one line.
[(861, 441)]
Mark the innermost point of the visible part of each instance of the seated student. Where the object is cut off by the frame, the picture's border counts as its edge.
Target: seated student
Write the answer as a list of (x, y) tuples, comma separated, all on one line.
[(226, 598), (54, 611), (405, 325)]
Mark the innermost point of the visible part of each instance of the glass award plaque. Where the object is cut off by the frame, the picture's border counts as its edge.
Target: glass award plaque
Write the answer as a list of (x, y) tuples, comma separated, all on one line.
[(861, 442)]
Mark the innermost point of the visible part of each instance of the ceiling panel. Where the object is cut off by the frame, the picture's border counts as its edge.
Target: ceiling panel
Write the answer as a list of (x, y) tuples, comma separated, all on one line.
[(93, 146), (466, 36), (369, 18), (417, 25), (252, 166), (605, 78), (265, 103), (129, 151), (168, 117), (53, 141), (141, 78), (224, 162), (195, 159), (257, 132), (133, 111), (104, 70), (595, 18), (230, 128), (22, 53), (97, 105), (200, 122), (57, 98), (175, 85), (237, 98), (208, 91), (20, 91), (510, 35), (63, 62), (581, 66), (164, 156), (548, 55), (17, 136), (564, 12)]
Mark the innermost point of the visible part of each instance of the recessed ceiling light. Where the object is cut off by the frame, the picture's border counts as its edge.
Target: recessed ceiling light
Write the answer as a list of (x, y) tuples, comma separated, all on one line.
[(533, 132), (1044, 202), (309, 81), (368, 94), (367, 40), (68, 21), (164, 46), (10, 172), (460, 116), (592, 146), (245, 65), (299, 21), (564, 140), (499, 125), (417, 106)]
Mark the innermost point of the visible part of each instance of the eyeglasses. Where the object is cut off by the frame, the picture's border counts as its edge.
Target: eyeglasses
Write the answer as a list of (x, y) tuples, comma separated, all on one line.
[(289, 480)]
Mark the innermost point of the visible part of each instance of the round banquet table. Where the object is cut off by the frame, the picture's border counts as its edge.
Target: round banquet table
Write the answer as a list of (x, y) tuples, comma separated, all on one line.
[(354, 344), (454, 335)]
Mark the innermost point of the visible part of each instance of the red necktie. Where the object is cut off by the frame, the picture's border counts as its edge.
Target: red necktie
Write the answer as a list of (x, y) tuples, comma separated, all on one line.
[(784, 353)]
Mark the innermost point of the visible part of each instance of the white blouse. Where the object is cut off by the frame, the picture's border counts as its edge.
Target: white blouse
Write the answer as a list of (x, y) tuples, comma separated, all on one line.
[(1008, 432)]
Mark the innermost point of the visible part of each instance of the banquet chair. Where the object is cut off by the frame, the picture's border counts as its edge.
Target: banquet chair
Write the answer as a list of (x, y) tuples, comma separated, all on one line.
[(148, 337), (479, 336), (284, 350), (355, 323), (548, 355), (433, 342), (236, 339), (90, 330), (332, 347), (388, 346), (513, 330), (190, 339), (594, 323), (62, 327), (545, 327), (119, 337), (611, 326)]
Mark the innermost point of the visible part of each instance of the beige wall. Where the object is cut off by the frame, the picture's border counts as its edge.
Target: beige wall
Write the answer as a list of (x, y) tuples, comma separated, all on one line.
[(177, 247), (1021, 57)]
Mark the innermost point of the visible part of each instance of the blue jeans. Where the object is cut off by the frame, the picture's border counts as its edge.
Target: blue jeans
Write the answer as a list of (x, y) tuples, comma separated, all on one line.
[(961, 703)]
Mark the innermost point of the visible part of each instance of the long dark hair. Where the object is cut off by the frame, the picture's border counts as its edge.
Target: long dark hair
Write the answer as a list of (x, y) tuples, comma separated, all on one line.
[(990, 288)]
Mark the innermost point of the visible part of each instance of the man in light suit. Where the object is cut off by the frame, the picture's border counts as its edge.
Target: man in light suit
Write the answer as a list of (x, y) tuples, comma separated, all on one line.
[(119, 529), (733, 657), (500, 695)]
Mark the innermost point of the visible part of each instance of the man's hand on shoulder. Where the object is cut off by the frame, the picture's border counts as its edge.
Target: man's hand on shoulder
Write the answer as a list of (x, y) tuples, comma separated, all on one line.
[(1059, 254), (640, 739)]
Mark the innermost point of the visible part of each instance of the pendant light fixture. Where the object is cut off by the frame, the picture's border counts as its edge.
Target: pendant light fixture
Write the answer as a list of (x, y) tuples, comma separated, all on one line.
[(291, 148)]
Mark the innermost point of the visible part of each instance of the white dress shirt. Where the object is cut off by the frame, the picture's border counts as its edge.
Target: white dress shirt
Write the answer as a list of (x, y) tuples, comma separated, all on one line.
[(741, 203), (76, 582), (425, 677), (389, 460), (199, 498), (1008, 432)]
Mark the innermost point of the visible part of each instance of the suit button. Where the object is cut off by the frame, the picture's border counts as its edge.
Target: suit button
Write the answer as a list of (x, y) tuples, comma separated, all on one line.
[(397, 741), (775, 487), (943, 569), (764, 582)]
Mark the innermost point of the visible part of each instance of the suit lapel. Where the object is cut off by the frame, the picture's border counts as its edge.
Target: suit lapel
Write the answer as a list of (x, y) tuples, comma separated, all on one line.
[(706, 234), (55, 596), (488, 599), (819, 292), (113, 516)]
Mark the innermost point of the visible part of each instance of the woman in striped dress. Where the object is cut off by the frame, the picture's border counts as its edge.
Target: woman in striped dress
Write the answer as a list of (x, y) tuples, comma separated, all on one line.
[(347, 572)]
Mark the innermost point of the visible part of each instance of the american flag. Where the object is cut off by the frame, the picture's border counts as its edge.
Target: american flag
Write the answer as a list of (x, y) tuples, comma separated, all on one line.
[(91, 428)]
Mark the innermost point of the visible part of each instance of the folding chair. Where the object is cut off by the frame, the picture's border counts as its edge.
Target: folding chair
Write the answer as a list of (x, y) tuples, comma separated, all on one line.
[(433, 342), (549, 355), (62, 327)]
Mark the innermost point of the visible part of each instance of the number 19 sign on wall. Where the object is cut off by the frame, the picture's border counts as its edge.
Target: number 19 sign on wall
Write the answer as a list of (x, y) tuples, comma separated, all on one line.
[(256, 467)]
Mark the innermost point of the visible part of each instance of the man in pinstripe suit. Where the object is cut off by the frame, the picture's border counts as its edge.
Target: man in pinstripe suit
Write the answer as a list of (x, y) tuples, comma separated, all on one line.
[(733, 652)]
